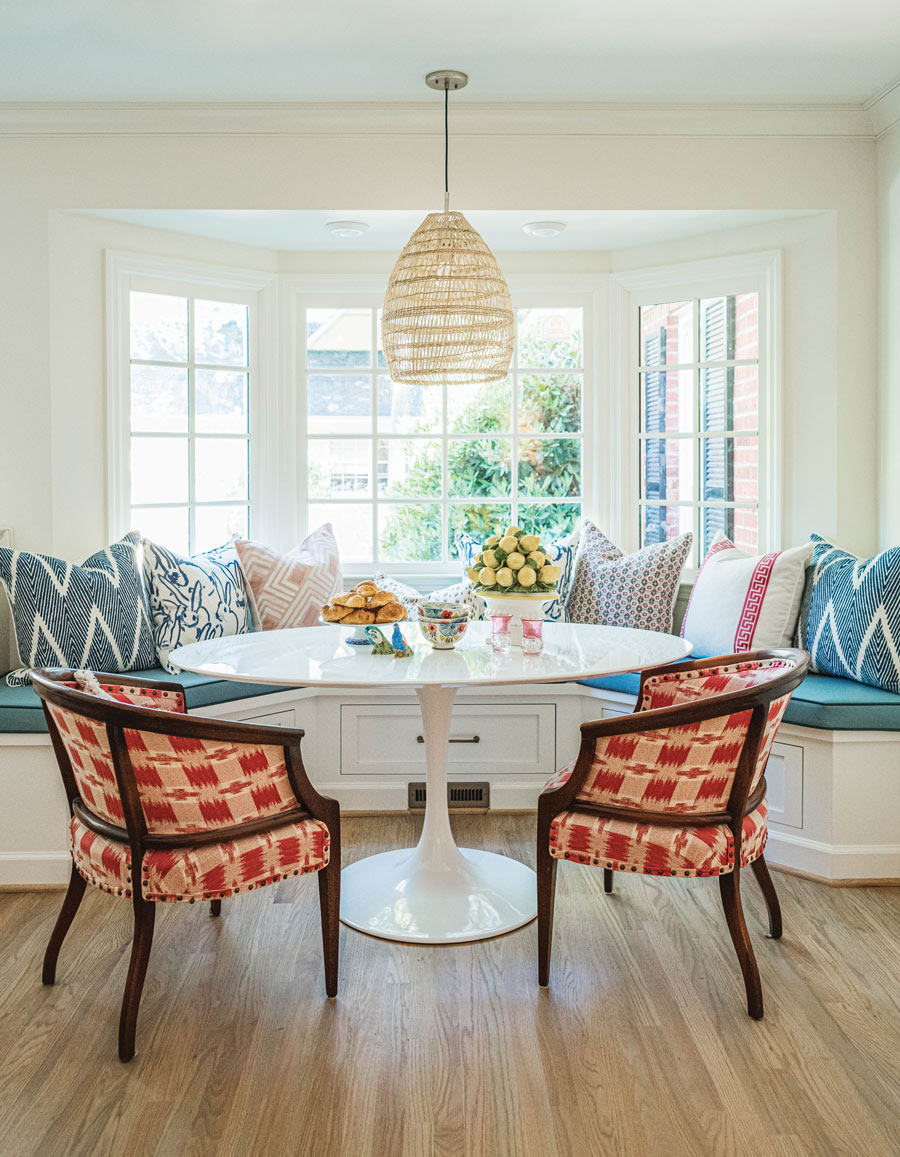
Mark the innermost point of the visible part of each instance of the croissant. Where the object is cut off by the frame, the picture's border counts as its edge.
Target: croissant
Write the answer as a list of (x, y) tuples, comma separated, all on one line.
[(380, 599), (390, 613), (358, 618), (366, 588), (334, 614), (353, 601)]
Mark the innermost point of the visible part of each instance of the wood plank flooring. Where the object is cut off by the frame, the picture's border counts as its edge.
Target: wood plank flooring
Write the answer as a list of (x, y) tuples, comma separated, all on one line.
[(640, 1046)]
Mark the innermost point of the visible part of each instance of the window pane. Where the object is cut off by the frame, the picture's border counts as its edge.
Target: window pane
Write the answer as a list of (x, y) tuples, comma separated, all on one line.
[(339, 337), (480, 519), (550, 520), (409, 409), (409, 468), (729, 469), (339, 466), (550, 338), (746, 325), (667, 469), (745, 532), (667, 401), (550, 467), (220, 470), (746, 397), (716, 329), (159, 399), (159, 327), (216, 525), (659, 523), (479, 466), (550, 403), (409, 533), (339, 404), (667, 333), (167, 525), (220, 398), (481, 409), (382, 360), (220, 333), (352, 525), (159, 470)]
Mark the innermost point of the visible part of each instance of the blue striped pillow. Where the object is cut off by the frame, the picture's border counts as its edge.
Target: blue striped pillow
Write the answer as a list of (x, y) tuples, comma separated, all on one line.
[(92, 615), (850, 615)]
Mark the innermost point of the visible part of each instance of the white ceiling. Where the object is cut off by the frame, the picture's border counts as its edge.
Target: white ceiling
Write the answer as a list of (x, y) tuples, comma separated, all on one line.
[(389, 230), (710, 51)]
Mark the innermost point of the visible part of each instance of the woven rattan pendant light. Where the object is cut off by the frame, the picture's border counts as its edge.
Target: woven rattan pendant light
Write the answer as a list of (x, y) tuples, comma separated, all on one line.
[(447, 314)]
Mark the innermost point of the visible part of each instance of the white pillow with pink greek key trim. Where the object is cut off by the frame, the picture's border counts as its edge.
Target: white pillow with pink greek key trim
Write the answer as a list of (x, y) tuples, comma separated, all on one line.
[(289, 590), (742, 602)]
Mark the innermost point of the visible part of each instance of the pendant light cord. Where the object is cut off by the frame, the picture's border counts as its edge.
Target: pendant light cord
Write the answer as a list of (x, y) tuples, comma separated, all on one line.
[(446, 145)]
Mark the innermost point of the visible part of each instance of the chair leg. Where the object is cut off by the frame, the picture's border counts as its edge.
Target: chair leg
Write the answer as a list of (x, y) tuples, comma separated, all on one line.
[(546, 894), (215, 907), (63, 923), (144, 916), (607, 880), (761, 871), (330, 908), (730, 888)]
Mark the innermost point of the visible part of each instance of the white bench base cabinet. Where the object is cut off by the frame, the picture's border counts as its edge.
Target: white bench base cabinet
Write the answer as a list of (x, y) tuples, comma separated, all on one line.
[(834, 796)]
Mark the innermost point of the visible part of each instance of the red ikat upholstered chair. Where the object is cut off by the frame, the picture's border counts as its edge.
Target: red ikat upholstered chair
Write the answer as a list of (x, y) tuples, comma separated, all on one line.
[(167, 807), (675, 789)]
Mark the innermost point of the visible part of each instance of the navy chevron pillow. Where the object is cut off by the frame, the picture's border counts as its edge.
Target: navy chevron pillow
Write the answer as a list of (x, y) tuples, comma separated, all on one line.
[(850, 615), (93, 615)]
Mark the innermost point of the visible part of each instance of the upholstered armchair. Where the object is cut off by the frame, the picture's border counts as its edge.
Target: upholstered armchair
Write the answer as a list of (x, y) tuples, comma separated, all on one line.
[(677, 788), (167, 807)]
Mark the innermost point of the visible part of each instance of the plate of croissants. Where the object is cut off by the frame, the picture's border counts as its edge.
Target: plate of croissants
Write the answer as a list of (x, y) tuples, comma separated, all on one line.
[(366, 605)]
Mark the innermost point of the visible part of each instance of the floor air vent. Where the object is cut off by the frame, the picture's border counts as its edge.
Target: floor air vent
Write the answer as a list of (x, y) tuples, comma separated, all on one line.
[(460, 796)]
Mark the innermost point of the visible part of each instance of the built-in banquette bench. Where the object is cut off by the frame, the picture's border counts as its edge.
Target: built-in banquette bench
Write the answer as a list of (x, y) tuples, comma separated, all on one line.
[(834, 773)]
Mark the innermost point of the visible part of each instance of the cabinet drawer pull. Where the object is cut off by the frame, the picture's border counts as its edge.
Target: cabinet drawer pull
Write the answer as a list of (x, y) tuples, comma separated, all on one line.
[(474, 739)]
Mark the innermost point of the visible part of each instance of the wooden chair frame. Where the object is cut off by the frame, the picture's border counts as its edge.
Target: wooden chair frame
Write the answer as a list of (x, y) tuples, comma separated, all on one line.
[(117, 717), (740, 802)]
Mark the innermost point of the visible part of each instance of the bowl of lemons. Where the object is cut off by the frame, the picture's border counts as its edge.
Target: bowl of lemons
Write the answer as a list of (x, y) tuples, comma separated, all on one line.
[(514, 575)]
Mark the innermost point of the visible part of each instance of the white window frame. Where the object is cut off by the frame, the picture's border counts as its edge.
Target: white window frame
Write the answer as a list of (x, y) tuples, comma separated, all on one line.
[(758, 273), (580, 291), (258, 291)]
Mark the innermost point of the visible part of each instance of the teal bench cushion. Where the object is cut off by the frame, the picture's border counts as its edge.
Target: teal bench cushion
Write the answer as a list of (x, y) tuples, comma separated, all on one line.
[(821, 701), (20, 708)]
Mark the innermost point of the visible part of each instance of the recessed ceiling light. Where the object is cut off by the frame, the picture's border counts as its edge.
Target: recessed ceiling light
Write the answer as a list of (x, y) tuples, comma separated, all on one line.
[(544, 228), (347, 228)]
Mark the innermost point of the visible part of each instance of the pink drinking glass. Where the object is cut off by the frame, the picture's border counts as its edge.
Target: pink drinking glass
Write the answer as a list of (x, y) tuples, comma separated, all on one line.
[(532, 636), (500, 632)]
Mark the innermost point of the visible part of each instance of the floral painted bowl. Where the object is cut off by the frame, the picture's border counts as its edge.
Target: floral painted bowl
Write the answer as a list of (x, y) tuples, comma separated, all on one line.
[(432, 610), (443, 633)]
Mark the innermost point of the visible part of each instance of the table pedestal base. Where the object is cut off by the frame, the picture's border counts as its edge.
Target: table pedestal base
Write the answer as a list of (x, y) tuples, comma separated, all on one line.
[(396, 896), (437, 893)]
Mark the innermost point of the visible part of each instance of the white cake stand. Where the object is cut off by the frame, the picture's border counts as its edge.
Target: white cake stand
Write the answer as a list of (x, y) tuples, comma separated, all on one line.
[(437, 892)]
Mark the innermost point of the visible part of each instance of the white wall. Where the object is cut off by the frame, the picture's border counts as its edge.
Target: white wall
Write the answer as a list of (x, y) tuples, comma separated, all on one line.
[(889, 326), (51, 372)]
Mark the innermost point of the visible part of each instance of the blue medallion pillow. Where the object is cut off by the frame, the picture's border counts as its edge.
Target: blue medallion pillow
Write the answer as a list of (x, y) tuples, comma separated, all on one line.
[(194, 598), (850, 615), (561, 553), (92, 615)]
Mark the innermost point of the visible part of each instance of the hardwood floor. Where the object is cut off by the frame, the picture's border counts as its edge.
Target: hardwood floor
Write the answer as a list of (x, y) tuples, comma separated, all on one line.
[(641, 1045)]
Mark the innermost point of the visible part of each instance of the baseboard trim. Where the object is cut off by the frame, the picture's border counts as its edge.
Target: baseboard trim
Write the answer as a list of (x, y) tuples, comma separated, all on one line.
[(34, 871), (877, 882), (833, 863)]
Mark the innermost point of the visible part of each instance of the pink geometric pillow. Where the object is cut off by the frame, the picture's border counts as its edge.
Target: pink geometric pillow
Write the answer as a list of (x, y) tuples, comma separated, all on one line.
[(289, 590), (626, 590)]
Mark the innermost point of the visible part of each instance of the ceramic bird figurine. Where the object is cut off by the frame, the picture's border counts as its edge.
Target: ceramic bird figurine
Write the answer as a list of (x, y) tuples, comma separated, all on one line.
[(402, 649), (382, 645)]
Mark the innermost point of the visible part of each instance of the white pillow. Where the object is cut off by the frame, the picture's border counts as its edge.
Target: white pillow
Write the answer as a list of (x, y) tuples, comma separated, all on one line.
[(742, 602)]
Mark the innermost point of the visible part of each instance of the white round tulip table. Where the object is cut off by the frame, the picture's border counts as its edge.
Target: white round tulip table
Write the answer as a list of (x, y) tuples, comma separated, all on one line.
[(435, 893)]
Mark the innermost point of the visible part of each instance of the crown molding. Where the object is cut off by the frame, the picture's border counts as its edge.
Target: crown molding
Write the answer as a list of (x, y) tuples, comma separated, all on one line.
[(399, 119), (884, 108)]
